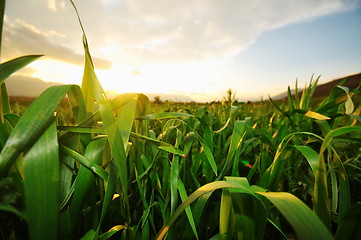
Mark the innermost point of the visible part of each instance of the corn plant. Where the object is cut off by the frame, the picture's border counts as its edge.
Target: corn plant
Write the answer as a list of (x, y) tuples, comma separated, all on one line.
[(118, 169)]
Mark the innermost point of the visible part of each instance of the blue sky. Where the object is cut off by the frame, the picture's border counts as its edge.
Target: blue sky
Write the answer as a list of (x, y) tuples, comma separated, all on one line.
[(329, 46), (188, 50)]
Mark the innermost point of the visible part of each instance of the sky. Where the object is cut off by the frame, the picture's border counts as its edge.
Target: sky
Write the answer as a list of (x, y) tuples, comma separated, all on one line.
[(191, 50)]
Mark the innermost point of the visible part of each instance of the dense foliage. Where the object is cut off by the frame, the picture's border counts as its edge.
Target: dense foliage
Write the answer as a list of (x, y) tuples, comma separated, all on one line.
[(77, 165)]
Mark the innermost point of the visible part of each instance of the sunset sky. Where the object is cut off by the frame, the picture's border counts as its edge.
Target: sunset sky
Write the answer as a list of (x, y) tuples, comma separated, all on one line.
[(188, 50)]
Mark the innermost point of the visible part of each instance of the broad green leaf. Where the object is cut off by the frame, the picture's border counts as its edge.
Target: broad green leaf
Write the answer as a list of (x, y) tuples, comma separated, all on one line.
[(41, 183), (92, 90), (32, 124), (126, 115), (246, 216), (305, 223), (320, 196), (225, 216)]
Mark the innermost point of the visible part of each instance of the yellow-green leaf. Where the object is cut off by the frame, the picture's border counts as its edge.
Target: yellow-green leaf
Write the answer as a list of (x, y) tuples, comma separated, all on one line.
[(315, 115)]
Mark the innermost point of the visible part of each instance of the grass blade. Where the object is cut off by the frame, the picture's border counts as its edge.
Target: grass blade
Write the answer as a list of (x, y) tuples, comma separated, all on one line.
[(310, 155), (183, 195), (11, 66)]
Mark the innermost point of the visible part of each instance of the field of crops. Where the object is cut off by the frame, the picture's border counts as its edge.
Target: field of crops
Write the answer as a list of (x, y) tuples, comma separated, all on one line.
[(76, 165)]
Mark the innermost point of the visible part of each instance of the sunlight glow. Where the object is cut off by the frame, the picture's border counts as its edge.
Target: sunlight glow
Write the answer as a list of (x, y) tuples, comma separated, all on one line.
[(155, 78), (55, 71)]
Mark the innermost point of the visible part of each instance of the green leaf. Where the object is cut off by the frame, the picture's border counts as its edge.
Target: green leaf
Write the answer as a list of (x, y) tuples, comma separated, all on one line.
[(85, 178), (32, 124), (305, 223), (41, 183), (350, 225), (85, 162), (225, 216), (239, 130), (90, 235), (183, 195), (11, 66), (310, 155), (174, 175), (5, 102), (320, 195), (12, 209), (172, 149), (207, 150), (112, 231), (210, 187)]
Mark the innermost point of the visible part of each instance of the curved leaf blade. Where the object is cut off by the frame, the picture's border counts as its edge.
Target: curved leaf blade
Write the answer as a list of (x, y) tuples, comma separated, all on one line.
[(305, 223), (11, 66), (32, 124)]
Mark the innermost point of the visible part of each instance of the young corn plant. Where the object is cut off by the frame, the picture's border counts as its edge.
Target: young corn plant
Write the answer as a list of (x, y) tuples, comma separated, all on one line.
[(117, 170)]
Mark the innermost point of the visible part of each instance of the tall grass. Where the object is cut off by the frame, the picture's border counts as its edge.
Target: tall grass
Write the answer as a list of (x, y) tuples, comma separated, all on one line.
[(118, 170)]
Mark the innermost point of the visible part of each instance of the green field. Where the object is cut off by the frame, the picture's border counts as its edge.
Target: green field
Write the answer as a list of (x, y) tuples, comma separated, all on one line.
[(76, 165)]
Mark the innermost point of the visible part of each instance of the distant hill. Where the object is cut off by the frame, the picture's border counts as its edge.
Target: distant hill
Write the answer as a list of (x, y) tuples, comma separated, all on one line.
[(25, 86), (323, 90), (352, 82)]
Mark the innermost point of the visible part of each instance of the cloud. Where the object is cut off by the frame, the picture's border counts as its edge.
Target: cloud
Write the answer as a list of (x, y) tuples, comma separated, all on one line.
[(143, 31), (21, 38), (201, 30)]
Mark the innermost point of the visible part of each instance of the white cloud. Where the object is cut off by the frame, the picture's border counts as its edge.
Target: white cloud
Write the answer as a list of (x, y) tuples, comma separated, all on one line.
[(200, 30), (21, 38), (143, 31)]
